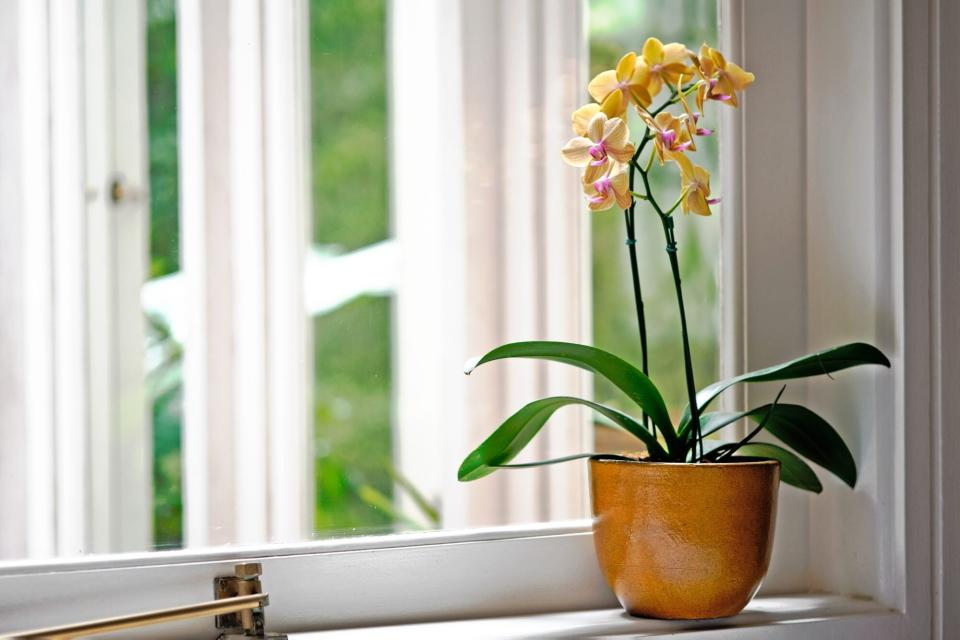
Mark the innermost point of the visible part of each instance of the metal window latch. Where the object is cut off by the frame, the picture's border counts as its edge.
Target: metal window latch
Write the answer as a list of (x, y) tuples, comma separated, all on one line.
[(238, 609)]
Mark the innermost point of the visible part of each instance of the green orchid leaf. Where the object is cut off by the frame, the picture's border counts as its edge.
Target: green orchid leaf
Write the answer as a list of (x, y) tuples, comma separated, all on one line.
[(518, 430), (715, 420), (621, 373), (812, 437), (821, 363), (793, 470), (576, 456)]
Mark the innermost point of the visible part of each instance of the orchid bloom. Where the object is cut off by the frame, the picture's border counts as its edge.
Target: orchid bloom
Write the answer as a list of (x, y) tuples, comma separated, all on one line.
[(582, 116), (662, 64), (616, 88), (721, 79), (693, 117), (611, 188), (606, 139), (671, 134), (695, 182)]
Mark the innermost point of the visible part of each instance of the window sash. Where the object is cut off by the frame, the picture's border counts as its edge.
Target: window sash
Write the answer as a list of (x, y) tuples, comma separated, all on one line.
[(549, 568)]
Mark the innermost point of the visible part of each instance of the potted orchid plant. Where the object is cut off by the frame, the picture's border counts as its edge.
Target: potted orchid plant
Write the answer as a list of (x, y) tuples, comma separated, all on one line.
[(683, 530)]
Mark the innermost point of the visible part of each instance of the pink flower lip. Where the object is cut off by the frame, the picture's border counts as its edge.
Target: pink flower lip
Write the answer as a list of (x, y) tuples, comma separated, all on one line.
[(599, 153), (713, 200), (603, 186), (703, 131), (668, 138), (682, 147)]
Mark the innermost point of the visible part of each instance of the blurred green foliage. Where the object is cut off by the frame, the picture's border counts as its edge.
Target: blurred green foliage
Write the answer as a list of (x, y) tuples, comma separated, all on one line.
[(164, 386), (618, 26), (351, 400), (352, 344), (351, 405), (348, 76), (162, 132)]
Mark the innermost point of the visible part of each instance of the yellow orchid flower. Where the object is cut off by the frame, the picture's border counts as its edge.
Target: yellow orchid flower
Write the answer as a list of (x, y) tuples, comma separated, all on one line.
[(693, 117), (604, 192), (581, 117), (616, 88), (662, 64), (721, 79), (695, 183), (672, 135), (606, 139)]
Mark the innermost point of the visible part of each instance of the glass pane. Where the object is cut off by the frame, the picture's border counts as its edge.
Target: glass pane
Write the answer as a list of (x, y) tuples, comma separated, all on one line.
[(618, 26), (363, 209), (352, 338), (164, 385)]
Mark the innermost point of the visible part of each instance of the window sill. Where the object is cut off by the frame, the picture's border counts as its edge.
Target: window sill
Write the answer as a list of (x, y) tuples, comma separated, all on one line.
[(773, 616)]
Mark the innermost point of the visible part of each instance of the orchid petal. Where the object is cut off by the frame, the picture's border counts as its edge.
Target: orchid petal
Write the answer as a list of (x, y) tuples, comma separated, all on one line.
[(581, 117), (626, 66), (603, 85), (596, 126), (653, 51), (615, 133), (577, 152)]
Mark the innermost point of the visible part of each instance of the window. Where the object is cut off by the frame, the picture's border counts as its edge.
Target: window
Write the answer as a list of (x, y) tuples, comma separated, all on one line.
[(262, 346)]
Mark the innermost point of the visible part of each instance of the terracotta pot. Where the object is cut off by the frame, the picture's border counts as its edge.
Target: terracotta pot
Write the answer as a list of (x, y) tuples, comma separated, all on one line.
[(684, 541)]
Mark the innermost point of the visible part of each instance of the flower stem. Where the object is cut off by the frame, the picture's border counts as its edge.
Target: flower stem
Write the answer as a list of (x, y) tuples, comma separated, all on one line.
[(628, 216), (667, 221), (687, 359)]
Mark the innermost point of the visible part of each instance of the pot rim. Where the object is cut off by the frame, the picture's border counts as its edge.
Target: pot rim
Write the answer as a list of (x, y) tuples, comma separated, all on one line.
[(702, 465)]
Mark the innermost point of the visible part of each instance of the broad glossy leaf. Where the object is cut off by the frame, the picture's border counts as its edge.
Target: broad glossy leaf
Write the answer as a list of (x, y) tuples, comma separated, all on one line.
[(515, 433), (576, 456), (812, 437), (715, 420), (793, 470), (814, 364), (621, 373)]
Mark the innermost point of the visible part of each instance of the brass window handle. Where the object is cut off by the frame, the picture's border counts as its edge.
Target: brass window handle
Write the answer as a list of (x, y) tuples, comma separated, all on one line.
[(238, 607)]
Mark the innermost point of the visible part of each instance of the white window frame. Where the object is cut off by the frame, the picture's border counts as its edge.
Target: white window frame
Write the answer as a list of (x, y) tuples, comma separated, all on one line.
[(901, 108)]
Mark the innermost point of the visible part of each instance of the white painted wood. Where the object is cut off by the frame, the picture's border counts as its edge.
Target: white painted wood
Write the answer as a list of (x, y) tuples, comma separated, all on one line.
[(846, 236), (503, 238), (429, 323), (206, 260), (193, 265), (116, 252), (832, 613), (565, 242), (13, 468), (286, 144), (249, 272), (498, 561), (69, 276), (540, 571), (763, 290), (37, 279), (946, 348), (520, 220), (132, 435), (100, 268), (913, 233)]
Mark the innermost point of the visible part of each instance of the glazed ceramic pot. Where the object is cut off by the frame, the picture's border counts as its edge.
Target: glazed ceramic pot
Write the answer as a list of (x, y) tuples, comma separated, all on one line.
[(684, 541)]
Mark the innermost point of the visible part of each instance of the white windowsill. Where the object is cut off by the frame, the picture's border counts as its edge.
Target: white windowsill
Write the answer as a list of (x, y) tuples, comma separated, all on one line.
[(762, 615)]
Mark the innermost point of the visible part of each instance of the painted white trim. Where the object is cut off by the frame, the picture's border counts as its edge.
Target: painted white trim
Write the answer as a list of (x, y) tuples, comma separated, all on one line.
[(69, 277), (36, 198), (823, 617), (542, 571), (247, 208), (287, 215), (193, 266)]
